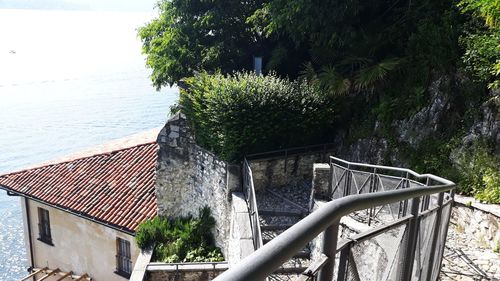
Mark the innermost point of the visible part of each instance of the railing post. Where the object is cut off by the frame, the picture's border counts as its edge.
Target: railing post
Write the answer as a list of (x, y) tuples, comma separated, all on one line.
[(330, 180), (447, 224), (435, 236), (344, 257), (426, 203), (329, 248), (347, 185), (409, 253), (373, 188)]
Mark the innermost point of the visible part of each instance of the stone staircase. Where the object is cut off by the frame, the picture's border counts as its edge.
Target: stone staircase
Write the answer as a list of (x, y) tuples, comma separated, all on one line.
[(279, 209)]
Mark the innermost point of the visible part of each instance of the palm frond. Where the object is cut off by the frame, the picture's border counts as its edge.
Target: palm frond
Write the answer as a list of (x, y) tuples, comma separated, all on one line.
[(369, 76), (332, 82), (308, 73), (355, 61)]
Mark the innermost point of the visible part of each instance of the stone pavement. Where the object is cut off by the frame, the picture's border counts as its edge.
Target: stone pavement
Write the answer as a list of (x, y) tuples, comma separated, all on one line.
[(466, 260)]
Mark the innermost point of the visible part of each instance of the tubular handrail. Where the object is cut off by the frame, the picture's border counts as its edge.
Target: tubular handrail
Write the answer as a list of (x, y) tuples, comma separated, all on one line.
[(388, 168), (291, 151), (264, 261), (252, 206)]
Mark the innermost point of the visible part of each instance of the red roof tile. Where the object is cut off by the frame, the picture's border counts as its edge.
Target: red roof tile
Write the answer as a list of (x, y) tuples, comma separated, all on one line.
[(114, 188)]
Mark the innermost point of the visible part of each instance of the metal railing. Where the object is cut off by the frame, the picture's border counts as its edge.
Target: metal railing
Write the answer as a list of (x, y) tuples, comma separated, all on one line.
[(187, 267), (408, 248), (249, 191), (300, 150), (350, 178)]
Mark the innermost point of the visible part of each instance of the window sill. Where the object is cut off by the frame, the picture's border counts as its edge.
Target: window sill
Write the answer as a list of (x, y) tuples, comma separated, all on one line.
[(123, 274), (46, 241)]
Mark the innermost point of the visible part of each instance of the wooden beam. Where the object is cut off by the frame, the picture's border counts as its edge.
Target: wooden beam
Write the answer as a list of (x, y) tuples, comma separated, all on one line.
[(33, 273), (83, 277), (55, 271), (68, 274)]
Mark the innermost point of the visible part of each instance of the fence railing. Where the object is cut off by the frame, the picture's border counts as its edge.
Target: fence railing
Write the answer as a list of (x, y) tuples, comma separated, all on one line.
[(407, 244), (249, 191), (350, 178), (284, 153), (187, 266)]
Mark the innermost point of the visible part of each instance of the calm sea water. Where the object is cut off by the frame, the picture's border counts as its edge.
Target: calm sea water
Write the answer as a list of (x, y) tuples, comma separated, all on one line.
[(68, 81)]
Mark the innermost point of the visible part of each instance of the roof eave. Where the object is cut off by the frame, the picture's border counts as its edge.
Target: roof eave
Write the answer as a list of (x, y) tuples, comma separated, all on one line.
[(12, 192)]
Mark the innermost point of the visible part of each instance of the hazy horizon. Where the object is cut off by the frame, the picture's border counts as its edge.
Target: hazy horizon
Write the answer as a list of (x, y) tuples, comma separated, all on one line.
[(81, 5)]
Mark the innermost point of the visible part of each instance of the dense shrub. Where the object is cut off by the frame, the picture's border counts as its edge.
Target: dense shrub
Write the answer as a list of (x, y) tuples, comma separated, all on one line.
[(480, 176), (244, 113), (180, 240)]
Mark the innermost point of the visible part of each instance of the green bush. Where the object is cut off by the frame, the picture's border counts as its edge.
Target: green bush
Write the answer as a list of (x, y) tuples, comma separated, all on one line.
[(245, 113), (480, 176), (491, 191), (180, 240)]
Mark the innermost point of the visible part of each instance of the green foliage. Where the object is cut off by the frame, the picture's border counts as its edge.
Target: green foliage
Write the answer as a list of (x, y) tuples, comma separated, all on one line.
[(151, 231), (488, 10), (480, 176), (351, 46), (433, 156), (366, 77), (491, 191), (355, 46), (180, 240), (243, 113), (497, 247), (482, 56), (482, 41), (188, 36)]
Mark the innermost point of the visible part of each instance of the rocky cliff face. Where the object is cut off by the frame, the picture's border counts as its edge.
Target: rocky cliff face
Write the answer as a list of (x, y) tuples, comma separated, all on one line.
[(429, 120), (487, 125), (444, 115)]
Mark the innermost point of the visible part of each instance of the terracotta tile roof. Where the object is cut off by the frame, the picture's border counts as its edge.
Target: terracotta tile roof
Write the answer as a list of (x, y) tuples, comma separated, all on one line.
[(115, 188)]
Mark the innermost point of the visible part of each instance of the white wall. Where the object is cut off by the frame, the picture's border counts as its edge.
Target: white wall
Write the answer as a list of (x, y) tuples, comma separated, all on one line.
[(80, 245)]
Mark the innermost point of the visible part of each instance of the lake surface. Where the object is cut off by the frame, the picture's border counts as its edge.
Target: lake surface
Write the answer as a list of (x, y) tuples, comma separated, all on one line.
[(68, 81)]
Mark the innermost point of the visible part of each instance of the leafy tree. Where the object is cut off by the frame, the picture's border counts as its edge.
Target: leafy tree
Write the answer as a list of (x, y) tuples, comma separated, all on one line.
[(343, 45), (482, 42), (192, 35), (355, 46)]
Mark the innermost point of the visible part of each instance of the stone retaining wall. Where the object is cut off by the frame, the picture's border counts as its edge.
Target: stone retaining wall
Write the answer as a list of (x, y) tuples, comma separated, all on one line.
[(473, 242), (189, 178), (281, 171), (321, 178), (480, 222)]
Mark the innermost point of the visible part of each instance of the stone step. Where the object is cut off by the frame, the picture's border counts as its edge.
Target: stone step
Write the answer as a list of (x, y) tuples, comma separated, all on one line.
[(274, 227), (280, 213)]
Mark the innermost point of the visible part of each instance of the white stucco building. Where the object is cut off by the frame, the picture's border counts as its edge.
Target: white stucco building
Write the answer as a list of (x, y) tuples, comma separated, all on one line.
[(80, 213)]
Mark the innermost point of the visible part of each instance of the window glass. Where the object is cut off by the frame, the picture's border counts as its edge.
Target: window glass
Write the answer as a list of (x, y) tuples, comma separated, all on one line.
[(44, 226), (123, 257)]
